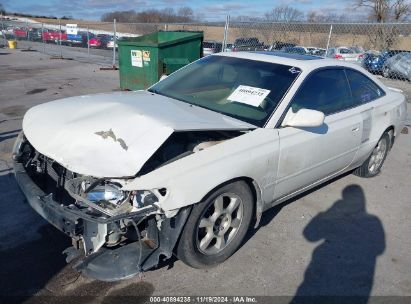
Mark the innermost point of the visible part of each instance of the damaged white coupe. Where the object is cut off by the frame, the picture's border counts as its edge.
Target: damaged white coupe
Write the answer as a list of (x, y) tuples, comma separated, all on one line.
[(188, 165)]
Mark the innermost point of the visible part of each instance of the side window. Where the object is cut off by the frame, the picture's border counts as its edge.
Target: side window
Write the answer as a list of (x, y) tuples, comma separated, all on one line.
[(326, 91), (363, 89)]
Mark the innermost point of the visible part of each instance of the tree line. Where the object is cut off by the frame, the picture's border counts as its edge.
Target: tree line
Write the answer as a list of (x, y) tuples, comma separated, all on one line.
[(169, 15)]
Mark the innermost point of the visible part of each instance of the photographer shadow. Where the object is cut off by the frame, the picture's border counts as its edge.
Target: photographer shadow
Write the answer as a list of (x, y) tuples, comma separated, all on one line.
[(343, 264)]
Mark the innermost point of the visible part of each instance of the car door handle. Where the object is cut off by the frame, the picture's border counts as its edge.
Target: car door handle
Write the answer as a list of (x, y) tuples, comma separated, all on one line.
[(356, 128)]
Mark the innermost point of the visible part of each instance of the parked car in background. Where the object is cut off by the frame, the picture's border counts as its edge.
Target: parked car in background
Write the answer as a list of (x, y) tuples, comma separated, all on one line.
[(374, 62), (20, 33), (295, 50), (398, 66), (79, 39), (35, 34), (110, 44), (247, 44), (278, 45), (138, 179), (319, 52), (52, 36), (211, 47), (359, 51), (100, 41), (315, 51), (228, 47), (344, 53)]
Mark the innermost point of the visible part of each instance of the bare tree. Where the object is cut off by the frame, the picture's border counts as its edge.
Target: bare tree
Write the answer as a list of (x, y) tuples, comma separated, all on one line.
[(401, 10), (387, 10), (168, 14), (315, 17), (186, 14), (284, 13)]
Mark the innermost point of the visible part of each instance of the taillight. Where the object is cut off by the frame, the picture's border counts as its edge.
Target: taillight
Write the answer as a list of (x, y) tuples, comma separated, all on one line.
[(339, 57)]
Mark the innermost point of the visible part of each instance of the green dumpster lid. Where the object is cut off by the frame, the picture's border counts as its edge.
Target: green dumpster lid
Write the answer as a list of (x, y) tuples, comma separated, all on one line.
[(160, 39)]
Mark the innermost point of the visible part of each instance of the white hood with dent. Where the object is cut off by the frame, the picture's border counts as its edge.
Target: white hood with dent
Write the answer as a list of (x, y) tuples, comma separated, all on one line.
[(114, 134)]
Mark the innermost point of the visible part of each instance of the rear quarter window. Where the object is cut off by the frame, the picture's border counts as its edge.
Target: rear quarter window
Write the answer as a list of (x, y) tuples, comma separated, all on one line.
[(363, 89)]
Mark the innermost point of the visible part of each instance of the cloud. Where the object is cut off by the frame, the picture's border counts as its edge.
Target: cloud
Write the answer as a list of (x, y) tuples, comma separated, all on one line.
[(219, 8)]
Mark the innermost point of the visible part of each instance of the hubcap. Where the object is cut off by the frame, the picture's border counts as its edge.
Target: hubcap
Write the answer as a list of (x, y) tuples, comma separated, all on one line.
[(219, 223), (377, 157)]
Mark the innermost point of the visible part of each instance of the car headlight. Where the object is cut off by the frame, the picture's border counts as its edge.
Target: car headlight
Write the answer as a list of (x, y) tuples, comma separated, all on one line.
[(108, 192)]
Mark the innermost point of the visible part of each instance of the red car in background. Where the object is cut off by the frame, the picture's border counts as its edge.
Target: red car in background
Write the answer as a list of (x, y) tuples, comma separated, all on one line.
[(54, 36), (100, 41), (20, 33)]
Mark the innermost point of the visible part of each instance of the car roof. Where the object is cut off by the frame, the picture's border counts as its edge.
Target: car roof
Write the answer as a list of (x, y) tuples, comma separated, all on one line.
[(304, 62)]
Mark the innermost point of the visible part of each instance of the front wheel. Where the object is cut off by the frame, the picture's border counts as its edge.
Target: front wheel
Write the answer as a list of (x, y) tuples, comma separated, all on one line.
[(372, 166), (217, 226)]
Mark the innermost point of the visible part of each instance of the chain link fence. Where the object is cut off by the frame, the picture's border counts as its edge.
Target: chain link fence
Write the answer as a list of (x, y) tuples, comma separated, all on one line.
[(383, 49)]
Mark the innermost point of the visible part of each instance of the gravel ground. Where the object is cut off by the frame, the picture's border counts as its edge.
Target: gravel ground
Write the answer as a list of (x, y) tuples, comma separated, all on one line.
[(350, 237)]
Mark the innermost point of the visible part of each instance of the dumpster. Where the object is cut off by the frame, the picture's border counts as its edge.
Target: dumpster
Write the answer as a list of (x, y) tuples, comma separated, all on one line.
[(143, 60)]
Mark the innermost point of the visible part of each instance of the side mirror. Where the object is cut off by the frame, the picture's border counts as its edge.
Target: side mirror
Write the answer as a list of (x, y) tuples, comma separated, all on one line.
[(303, 118)]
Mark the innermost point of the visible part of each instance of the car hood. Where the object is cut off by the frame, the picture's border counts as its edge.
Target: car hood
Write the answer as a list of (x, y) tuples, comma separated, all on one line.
[(114, 134)]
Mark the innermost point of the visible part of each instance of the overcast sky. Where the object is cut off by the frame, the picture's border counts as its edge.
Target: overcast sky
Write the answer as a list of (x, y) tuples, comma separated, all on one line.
[(209, 9)]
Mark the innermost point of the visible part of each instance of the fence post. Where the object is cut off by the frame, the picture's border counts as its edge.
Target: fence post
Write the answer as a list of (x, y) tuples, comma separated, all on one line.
[(42, 38), (227, 22), (2, 21), (88, 42), (115, 42), (61, 48), (329, 39)]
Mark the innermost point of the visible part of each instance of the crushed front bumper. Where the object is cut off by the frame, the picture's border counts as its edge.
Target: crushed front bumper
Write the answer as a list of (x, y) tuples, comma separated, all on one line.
[(106, 264)]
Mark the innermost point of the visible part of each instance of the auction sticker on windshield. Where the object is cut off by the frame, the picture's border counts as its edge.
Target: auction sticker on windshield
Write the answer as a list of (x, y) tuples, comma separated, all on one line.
[(249, 95)]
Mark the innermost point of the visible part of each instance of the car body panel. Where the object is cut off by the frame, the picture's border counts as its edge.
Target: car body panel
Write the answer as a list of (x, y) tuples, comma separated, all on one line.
[(301, 161), (84, 133)]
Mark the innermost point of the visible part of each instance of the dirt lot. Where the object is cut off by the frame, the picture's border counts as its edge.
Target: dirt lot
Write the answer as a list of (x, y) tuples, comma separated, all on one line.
[(350, 237)]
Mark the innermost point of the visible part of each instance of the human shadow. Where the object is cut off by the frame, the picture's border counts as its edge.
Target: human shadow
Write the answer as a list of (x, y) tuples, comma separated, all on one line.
[(343, 264)]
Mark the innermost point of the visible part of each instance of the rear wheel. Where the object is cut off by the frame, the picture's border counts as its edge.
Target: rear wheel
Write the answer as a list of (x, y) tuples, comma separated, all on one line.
[(372, 166), (217, 226)]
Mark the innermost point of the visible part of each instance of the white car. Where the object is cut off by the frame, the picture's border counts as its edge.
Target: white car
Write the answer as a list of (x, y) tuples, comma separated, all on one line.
[(345, 54), (186, 165), (110, 44)]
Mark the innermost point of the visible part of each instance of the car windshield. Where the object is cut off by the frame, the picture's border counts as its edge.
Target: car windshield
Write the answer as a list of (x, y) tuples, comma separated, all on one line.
[(241, 88)]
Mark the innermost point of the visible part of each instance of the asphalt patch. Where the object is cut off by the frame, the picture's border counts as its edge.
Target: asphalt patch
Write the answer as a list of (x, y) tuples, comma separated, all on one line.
[(36, 91), (14, 111)]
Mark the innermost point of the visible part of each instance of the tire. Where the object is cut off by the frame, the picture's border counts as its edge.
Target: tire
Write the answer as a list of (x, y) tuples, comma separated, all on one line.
[(198, 246), (372, 166)]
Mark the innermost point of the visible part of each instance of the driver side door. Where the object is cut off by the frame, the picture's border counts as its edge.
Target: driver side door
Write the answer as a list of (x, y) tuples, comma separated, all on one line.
[(310, 155)]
